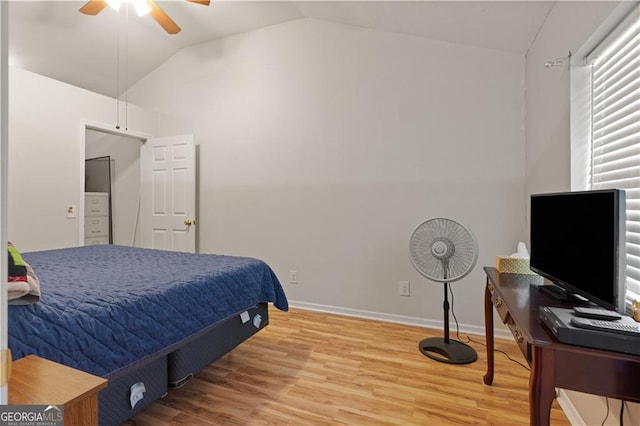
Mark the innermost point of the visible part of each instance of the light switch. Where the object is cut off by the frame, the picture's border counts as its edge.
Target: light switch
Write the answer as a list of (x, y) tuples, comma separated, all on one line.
[(71, 212)]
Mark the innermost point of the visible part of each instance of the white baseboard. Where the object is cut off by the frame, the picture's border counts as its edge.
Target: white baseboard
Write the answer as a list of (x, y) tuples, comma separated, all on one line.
[(584, 409), (399, 319), (569, 409)]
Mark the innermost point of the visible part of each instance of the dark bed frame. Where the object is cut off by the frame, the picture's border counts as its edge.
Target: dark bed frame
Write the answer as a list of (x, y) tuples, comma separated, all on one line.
[(175, 366)]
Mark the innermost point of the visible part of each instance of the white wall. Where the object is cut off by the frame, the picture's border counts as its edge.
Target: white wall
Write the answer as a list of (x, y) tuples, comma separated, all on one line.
[(548, 116), (125, 179), (567, 28), (46, 156), (322, 146)]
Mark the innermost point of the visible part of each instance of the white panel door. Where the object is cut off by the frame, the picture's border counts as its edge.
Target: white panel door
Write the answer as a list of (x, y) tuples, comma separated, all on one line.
[(168, 193)]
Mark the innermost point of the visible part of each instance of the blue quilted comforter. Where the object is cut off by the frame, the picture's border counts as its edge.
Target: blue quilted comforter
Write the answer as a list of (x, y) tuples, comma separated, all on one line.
[(104, 308)]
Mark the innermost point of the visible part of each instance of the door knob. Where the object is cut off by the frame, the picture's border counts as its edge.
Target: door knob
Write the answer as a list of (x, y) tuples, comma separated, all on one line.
[(189, 222)]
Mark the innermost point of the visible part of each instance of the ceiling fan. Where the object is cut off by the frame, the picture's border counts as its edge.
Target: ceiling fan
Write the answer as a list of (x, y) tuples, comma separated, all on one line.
[(93, 7)]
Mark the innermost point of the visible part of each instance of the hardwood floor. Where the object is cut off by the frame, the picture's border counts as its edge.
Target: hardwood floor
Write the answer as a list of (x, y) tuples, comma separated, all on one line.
[(309, 368)]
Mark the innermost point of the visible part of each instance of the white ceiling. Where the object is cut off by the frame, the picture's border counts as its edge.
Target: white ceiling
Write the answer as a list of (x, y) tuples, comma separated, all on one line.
[(53, 39)]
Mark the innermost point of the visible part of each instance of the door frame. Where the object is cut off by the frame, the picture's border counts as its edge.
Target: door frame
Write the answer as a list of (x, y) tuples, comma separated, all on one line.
[(104, 128)]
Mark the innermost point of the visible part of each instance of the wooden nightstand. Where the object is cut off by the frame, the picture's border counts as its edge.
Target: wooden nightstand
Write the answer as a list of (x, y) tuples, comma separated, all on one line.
[(35, 380)]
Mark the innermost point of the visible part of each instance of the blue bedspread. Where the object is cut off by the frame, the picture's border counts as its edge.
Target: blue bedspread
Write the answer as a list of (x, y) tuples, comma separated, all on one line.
[(103, 308)]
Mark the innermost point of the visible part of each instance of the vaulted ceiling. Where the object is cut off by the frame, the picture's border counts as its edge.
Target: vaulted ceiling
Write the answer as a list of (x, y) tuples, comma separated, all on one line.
[(53, 39)]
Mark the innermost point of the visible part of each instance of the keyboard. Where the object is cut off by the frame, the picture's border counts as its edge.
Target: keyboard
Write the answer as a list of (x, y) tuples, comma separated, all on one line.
[(609, 326), (596, 313)]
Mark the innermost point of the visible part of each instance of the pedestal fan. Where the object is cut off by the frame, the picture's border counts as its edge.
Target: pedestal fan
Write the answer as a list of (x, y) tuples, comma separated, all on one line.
[(445, 251)]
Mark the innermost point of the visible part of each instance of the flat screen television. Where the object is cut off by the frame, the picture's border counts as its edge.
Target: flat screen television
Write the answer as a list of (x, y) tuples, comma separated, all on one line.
[(578, 243)]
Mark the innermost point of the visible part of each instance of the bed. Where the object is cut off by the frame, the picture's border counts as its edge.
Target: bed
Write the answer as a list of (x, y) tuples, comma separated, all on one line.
[(143, 319)]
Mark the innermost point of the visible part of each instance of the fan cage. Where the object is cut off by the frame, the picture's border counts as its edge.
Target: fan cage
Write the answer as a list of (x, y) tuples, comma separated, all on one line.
[(454, 265)]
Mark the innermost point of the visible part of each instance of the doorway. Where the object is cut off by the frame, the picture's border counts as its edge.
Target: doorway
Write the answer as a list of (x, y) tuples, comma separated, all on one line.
[(122, 187)]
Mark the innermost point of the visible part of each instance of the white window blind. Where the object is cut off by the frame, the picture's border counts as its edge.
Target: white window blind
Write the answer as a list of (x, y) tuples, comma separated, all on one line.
[(615, 129)]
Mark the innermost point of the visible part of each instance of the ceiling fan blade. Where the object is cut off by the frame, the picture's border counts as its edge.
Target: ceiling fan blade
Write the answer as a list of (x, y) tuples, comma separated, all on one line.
[(93, 7), (202, 2), (163, 19)]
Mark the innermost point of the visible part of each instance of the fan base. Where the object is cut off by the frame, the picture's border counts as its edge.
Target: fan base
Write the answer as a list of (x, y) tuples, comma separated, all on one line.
[(454, 352)]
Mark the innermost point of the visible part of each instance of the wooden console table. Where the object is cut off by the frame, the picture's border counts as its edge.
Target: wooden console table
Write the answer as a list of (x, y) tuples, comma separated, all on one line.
[(553, 364)]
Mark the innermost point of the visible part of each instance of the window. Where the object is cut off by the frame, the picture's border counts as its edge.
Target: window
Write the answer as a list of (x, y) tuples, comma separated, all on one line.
[(615, 129)]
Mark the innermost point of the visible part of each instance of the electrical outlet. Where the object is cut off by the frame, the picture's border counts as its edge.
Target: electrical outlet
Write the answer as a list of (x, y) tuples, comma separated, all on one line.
[(403, 288), (293, 277)]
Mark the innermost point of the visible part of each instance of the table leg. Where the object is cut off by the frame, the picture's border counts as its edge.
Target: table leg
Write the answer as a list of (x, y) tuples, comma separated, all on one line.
[(542, 390), (488, 331)]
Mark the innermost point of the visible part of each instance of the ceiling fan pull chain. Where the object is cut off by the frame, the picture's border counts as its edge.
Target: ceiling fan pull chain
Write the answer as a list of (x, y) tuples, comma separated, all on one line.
[(118, 73), (126, 70)]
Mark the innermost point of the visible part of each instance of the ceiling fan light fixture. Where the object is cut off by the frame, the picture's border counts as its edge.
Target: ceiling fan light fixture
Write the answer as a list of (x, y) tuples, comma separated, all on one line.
[(115, 4), (142, 7)]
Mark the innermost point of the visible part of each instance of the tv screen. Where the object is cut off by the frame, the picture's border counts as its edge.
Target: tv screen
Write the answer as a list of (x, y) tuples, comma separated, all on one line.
[(578, 242)]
